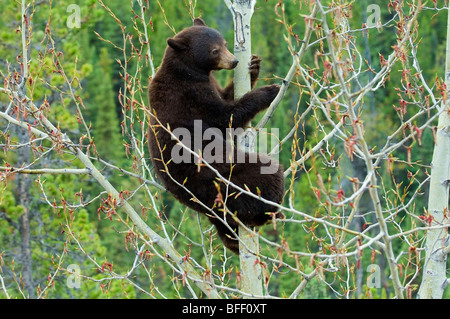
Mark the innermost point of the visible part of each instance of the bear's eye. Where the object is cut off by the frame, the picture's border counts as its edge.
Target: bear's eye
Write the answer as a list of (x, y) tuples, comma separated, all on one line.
[(214, 51)]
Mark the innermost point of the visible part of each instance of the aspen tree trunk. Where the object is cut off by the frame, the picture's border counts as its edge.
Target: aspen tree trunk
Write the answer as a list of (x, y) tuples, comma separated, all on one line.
[(250, 268), (434, 278)]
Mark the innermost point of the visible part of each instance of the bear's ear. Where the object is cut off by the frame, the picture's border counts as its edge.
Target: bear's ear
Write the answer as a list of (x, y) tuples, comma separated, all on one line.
[(177, 44), (199, 22)]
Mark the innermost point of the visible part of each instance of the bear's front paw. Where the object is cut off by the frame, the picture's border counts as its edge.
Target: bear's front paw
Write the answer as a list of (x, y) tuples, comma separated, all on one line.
[(254, 67), (271, 91)]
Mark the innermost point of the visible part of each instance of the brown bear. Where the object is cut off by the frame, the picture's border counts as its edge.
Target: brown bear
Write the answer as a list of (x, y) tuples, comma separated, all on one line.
[(184, 96)]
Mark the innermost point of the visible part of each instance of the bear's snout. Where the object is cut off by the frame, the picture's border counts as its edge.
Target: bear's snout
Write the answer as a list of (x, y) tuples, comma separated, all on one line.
[(227, 61), (228, 64)]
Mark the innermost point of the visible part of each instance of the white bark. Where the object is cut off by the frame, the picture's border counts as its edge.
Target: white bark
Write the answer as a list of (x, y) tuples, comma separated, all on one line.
[(434, 278)]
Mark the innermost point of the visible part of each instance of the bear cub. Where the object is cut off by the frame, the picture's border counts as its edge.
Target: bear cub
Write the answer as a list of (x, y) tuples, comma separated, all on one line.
[(184, 92)]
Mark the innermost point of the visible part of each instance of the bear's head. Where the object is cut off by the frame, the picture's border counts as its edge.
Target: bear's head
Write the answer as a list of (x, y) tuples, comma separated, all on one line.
[(202, 48)]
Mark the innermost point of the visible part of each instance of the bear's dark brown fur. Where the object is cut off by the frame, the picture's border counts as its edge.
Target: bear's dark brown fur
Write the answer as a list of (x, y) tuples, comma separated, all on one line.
[(184, 90)]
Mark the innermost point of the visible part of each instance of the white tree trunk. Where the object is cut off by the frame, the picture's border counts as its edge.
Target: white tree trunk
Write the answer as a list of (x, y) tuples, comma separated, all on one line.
[(250, 268), (434, 278)]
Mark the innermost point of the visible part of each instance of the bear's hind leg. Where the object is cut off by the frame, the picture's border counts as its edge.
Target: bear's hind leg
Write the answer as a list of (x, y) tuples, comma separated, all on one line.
[(226, 235), (251, 210)]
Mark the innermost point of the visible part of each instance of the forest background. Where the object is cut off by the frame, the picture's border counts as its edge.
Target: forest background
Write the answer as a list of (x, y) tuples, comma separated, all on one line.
[(47, 229)]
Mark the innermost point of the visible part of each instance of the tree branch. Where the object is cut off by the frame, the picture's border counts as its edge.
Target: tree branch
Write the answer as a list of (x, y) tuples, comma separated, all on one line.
[(52, 171), (170, 252)]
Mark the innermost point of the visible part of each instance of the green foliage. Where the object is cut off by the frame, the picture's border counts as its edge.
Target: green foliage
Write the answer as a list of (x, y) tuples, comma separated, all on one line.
[(103, 109)]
